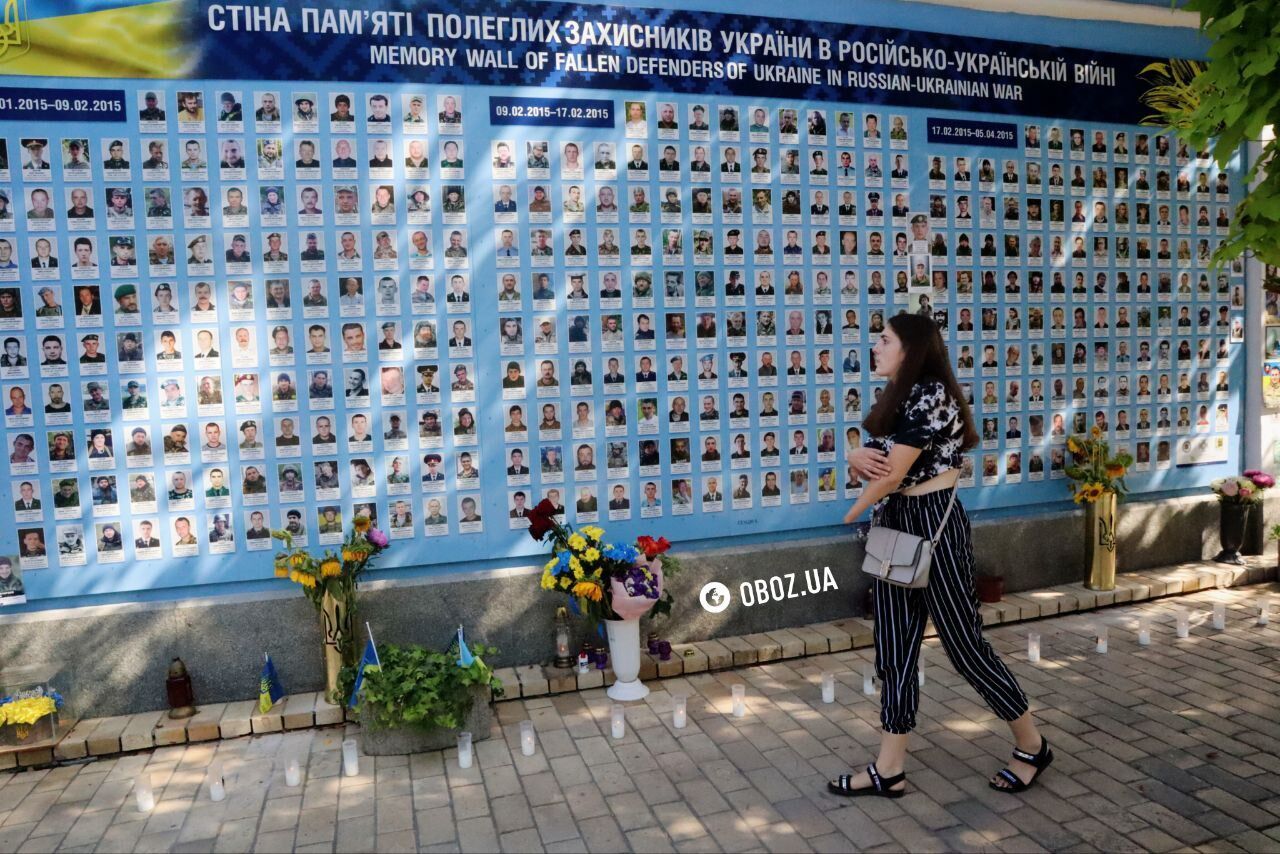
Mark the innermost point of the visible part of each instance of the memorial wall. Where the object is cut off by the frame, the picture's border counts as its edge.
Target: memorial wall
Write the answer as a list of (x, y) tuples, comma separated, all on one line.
[(436, 268)]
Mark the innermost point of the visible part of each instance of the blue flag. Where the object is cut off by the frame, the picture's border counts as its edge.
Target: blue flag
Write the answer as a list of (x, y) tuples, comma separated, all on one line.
[(369, 659), (464, 655), (270, 690)]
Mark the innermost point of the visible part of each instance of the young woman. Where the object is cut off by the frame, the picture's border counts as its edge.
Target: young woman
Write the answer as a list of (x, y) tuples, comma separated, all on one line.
[(917, 434)]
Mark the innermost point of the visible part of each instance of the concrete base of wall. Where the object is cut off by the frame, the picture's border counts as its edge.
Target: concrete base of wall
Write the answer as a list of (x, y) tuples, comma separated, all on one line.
[(116, 656)]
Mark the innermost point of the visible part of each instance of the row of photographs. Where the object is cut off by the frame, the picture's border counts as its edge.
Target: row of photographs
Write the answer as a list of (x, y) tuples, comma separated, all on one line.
[(653, 498), (271, 158), (271, 206)]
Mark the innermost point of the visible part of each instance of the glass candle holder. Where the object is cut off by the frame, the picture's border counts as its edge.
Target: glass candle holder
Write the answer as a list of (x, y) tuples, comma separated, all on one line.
[(464, 749), (350, 757), (868, 678), (1100, 637), (1264, 613), (618, 720), (293, 772), (217, 782), (664, 650), (739, 700), (1183, 619), (1033, 646), (1144, 631), (828, 688), (1219, 615), (680, 711), (528, 744), (143, 793)]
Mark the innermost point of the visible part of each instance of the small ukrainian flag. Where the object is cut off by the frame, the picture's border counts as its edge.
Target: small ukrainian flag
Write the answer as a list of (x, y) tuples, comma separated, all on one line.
[(270, 690)]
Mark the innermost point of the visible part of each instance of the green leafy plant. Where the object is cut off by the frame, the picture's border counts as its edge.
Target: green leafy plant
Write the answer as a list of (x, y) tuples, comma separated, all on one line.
[(421, 687), (1227, 102)]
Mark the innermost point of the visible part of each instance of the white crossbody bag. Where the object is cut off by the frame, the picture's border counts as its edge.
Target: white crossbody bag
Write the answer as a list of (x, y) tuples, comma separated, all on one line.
[(900, 558)]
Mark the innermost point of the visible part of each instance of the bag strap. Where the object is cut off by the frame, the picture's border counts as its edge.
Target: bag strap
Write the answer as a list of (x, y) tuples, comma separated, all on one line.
[(943, 524)]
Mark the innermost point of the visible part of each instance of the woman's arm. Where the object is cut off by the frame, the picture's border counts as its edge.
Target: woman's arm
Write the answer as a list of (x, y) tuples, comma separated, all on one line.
[(901, 458)]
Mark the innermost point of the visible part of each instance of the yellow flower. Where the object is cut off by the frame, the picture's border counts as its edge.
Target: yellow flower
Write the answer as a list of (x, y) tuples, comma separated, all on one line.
[(298, 559), (1096, 432), (592, 555), (308, 581), (330, 568), (593, 532), (551, 564), (576, 566), (1115, 471), (1072, 445), (588, 590), (565, 582), (282, 570), (577, 542), (548, 580), (27, 711), (361, 524)]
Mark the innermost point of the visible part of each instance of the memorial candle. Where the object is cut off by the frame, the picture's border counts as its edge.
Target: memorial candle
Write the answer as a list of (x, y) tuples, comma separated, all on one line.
[(527, 742)]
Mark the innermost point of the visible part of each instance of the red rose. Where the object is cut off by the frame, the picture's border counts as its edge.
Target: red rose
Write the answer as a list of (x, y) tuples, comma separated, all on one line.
[(542, 519), (651, 547)]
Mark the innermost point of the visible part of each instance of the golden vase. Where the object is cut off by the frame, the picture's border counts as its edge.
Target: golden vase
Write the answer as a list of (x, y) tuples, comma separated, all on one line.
[(336, 626), (1100, 542)]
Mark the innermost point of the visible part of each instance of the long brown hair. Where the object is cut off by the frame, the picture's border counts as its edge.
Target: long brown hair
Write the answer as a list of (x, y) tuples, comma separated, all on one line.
[(924, 356)]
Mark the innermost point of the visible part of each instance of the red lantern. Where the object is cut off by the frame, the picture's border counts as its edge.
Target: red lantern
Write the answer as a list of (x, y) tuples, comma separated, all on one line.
[(178, 688)]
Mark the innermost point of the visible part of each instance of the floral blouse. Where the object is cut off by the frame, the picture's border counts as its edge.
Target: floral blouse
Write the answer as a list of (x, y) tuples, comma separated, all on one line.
[(928, 419)]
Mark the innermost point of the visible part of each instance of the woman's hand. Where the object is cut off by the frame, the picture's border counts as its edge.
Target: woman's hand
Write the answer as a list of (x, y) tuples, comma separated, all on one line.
[(871, 463), (852, 516)]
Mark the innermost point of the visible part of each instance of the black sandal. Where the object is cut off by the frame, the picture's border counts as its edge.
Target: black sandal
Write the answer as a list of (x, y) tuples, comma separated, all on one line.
[(881, 787), (1039, 761)]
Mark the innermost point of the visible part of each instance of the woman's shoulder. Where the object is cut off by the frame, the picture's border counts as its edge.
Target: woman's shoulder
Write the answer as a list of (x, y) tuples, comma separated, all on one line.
[(928, 390)]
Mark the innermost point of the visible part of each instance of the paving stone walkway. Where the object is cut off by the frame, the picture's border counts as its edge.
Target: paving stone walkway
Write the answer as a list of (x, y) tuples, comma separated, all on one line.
[(1169, 747)]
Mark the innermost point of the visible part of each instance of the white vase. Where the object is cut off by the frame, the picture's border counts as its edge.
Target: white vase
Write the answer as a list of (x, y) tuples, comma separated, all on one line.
[(624, 656)]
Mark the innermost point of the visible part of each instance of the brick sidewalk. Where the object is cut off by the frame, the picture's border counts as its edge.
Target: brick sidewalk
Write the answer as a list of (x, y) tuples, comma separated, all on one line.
[(1175, 746)]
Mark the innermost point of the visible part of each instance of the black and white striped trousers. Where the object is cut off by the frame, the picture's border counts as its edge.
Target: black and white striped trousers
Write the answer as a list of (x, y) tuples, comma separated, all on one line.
[(951, 600)]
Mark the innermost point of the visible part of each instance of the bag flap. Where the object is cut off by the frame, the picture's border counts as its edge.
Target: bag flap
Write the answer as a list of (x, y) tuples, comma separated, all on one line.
[(899, 547)]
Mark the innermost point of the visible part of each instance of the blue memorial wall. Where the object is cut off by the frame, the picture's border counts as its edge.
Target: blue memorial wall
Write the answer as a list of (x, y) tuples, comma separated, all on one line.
[(448, 291)]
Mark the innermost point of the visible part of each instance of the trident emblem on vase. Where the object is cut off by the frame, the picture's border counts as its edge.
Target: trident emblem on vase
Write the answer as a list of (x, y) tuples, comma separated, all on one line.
[(1106, 535)]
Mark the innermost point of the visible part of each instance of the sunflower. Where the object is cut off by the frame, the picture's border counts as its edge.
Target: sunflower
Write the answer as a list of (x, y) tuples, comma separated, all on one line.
[(588, 590), (1115, 471), (282, 569), (330, 568), (1072, 445), (361, 524)]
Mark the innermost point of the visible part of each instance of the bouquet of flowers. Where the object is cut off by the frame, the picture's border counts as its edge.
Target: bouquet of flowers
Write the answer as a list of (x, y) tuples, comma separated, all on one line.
[(336, 573), (1094, 470), (1248, 488), (334, 576), (604, 581)]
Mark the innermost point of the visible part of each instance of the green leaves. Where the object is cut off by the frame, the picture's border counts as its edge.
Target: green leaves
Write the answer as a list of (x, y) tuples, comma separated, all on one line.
[(1229, 102), (420, 687)]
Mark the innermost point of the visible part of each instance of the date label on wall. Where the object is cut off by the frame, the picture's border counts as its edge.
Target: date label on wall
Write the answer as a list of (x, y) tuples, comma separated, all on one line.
[(555, 112), (20, 104), (966, 132)]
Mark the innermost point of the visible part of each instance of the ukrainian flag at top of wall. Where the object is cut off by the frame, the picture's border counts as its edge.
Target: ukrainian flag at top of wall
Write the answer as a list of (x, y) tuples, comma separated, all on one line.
[(97, 38)]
